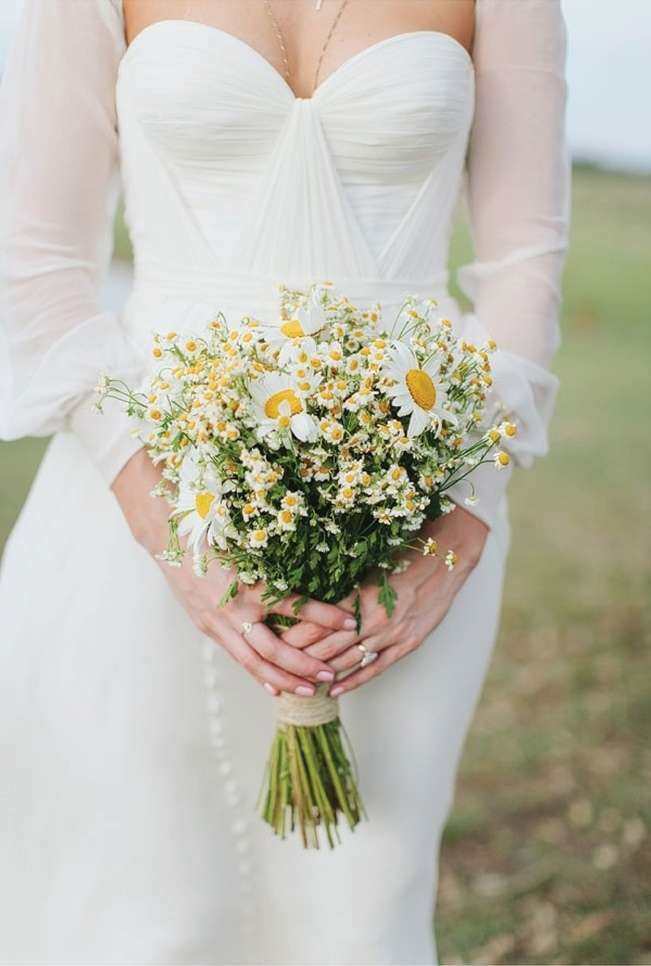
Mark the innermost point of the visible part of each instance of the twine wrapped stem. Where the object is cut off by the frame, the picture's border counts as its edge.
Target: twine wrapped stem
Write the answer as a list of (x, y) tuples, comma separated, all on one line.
[(309, 779), (294, 710)]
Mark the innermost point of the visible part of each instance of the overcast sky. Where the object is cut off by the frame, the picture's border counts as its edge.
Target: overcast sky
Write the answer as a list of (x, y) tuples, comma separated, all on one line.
[(609, 76)]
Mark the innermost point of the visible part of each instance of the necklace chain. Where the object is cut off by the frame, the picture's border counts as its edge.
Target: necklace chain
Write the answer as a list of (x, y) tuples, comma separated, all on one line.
[(283, 48)]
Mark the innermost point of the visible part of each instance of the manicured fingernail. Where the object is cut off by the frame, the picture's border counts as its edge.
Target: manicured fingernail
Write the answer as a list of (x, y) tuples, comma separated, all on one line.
[(301, 689), (350, 623), (270, 688), (325, 676), (335, 691)]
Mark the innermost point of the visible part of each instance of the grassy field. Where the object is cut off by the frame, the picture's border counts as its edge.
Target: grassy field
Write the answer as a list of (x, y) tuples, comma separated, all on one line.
[(546, 855)]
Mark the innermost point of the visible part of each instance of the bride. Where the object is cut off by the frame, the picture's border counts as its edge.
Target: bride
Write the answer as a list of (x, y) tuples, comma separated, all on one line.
[(256, 141)]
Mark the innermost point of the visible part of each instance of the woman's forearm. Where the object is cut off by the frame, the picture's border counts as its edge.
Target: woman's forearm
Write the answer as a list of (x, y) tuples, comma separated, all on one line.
[(146, 515)]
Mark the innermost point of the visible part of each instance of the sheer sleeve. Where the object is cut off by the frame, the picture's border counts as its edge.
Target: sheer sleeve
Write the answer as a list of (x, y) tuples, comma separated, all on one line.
[(516, 191), (59, 184)]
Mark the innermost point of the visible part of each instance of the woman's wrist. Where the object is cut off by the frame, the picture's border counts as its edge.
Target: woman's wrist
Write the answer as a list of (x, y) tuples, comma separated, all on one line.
[(460, 531), (146, 515)]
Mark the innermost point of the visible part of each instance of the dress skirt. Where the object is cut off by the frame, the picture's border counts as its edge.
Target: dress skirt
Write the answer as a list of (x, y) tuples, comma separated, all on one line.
[(132, 751)]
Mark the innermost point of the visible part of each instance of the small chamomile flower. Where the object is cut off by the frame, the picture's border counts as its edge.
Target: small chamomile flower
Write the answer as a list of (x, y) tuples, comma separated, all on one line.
[(451, 559)]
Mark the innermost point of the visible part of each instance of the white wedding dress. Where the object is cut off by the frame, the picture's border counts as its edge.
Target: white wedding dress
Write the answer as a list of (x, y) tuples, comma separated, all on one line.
[(132, 748)]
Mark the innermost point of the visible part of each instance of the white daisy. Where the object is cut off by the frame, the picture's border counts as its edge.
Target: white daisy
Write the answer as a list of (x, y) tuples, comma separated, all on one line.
[(199, 504), (294, 336), (278, 405), (416, 388)]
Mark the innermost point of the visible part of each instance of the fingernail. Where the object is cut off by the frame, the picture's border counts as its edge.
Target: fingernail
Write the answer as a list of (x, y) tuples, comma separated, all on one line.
[(335, 691), (325, 676), (301, 689), (350, 623), (270, 688)]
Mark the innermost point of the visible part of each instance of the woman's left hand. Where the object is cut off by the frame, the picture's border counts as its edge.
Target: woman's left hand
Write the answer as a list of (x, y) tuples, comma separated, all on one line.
[(425, 591)]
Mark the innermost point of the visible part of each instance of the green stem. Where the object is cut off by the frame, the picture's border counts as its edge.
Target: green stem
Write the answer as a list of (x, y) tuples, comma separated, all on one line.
[(325, 808), (336, 781), (296, 782)]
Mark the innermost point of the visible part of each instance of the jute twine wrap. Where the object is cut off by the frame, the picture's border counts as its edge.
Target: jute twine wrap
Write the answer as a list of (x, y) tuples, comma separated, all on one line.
[(294, 710)]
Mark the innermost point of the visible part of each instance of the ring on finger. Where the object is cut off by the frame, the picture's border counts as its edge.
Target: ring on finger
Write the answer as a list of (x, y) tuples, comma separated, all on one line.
[(367, 656), (247, 627)]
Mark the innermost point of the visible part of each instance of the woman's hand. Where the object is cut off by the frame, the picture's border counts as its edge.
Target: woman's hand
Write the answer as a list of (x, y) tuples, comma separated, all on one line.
[(425, 591), (273, 662)]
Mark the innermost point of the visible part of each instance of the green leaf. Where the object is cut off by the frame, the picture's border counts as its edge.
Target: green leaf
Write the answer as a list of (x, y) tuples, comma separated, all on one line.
[(229, 593), (357, 610), (387, 596), (299, 603)]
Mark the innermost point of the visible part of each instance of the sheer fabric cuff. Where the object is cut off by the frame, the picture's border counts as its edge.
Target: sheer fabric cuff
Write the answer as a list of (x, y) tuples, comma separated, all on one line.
[(523, 393), (489, 485), (108, 437)]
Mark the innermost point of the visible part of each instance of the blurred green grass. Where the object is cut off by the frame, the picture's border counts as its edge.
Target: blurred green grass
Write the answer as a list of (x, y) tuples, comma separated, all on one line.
[(546, 855)]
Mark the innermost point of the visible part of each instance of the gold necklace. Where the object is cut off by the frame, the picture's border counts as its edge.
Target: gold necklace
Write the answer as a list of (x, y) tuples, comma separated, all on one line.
[(283, 48)]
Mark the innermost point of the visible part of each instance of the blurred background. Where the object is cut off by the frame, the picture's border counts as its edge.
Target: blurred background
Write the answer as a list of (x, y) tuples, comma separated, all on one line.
[(546, 857)]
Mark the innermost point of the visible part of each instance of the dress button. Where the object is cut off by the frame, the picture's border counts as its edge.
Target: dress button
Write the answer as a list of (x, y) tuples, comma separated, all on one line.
[(211, 677)]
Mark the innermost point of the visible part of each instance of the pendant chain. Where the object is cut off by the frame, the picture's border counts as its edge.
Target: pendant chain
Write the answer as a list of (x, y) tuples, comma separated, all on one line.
[(283, 48)]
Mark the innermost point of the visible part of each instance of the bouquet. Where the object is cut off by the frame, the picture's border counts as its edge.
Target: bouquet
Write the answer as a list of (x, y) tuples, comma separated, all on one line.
[(306, 452)]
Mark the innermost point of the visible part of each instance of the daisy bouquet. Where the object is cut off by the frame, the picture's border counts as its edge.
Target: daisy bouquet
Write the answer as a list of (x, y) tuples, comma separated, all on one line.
[(306, 452)]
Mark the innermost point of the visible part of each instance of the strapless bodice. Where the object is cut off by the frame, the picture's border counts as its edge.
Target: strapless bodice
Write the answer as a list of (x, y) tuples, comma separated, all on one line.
[(233, 183)]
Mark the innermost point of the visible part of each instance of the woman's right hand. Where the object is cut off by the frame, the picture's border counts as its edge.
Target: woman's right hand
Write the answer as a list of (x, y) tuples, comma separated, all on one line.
[(274, 663)]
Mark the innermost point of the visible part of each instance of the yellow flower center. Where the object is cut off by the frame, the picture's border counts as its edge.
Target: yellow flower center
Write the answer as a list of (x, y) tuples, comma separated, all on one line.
[(292, 329), (203, 502), (286, 516), (273, 403), (421, 388)]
